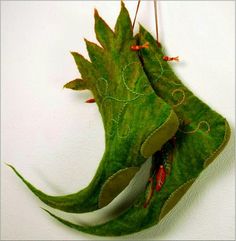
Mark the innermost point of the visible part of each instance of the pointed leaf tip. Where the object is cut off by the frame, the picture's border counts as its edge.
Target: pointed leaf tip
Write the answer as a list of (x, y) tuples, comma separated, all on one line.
[(96, 12), (87, 42), (123, 27), (74, 53), (104, 34), (10, 166), (145, 36), (77, 84), (141, 28), (80, 59), (7, 164), (92, 45)]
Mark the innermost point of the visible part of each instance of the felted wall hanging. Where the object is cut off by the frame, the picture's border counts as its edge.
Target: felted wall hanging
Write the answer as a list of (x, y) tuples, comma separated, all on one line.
[(124, 83)]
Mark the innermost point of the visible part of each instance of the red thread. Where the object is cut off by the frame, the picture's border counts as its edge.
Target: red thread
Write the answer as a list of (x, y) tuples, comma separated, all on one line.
[(160, 178), (90, 100), (167, 58)]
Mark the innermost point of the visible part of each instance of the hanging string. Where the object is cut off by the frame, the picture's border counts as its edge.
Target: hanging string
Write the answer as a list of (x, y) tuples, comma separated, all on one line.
[(156, 21), (139, 1)]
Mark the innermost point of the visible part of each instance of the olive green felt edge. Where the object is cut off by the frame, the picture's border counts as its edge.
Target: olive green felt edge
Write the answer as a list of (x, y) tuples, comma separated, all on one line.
[(221, 147), (175, 197), (160, 136), (181, 190), (106, 196), (76, 84)]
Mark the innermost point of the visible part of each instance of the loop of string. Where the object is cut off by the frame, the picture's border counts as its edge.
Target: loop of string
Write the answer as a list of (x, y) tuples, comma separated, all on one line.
[(156, 17)]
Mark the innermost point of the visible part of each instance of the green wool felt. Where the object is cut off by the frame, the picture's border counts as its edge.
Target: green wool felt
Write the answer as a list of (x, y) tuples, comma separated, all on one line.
[(77, 84), (202, 135), (136, 121)]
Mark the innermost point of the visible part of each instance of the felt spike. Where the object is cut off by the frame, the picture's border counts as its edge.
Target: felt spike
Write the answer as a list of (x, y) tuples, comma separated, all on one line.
[(104, 34), (123, 27), (68, 203), (149, 38), (83, 64), (99, 58), (86, 70), (96, 53), (76, 84)]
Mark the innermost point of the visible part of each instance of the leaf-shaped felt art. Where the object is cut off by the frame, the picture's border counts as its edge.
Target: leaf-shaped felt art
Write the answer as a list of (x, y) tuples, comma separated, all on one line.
[(136, 121), (202, 135)]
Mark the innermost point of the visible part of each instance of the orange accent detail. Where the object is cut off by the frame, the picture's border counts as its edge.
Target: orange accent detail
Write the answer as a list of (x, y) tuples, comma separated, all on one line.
[(138, 47)]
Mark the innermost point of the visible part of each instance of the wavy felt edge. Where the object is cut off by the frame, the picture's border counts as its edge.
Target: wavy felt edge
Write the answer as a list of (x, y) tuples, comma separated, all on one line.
[(102, 200), (160, 136), (175, 197)]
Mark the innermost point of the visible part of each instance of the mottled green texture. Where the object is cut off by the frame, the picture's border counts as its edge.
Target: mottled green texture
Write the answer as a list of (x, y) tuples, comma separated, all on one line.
[(130, 109), (200, 138)]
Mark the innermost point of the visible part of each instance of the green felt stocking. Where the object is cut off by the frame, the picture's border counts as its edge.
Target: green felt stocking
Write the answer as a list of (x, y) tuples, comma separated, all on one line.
[(200, 138), (136, 121)]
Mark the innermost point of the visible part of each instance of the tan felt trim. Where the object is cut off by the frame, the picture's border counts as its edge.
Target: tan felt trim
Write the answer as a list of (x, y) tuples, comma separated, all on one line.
[(160, 136), (175, 197), (115, 184)]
